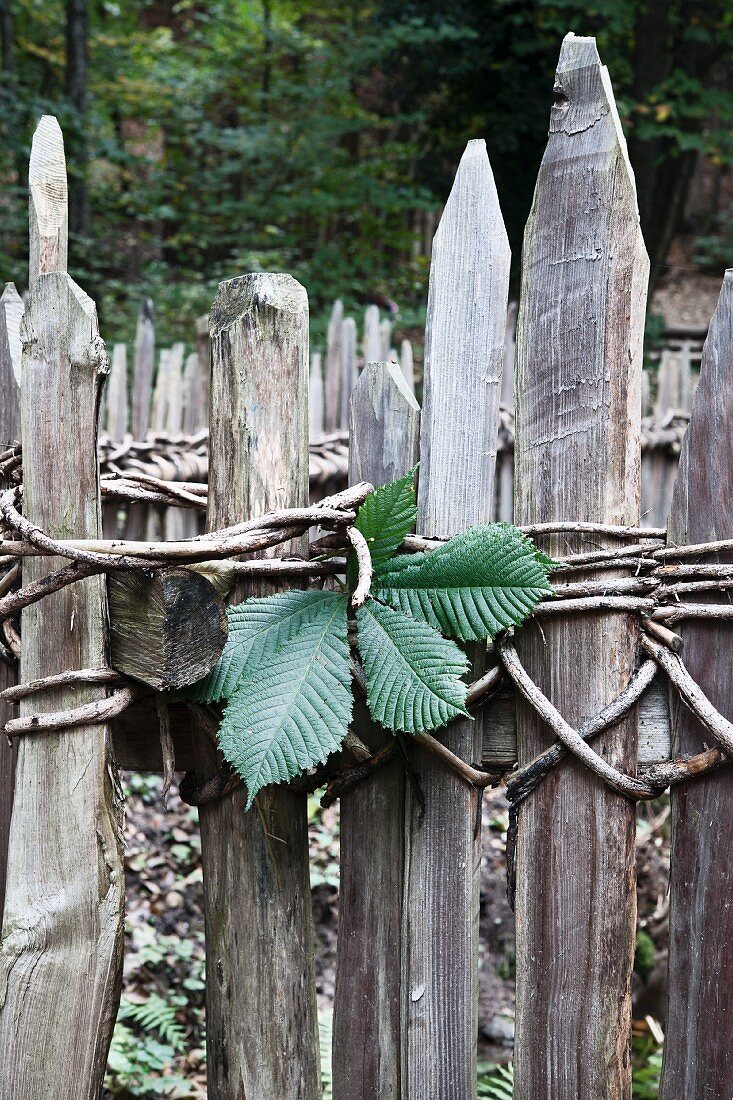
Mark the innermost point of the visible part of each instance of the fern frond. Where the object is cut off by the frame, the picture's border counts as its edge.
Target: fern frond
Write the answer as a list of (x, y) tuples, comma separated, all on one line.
[(156, 1016)]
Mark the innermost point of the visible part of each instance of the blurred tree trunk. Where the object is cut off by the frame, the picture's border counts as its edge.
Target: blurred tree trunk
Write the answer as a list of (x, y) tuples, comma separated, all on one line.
[(77, 36), (663, 173)]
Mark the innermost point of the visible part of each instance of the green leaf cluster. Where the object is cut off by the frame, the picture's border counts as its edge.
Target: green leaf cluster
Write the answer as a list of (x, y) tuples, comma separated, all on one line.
[(285, 672)]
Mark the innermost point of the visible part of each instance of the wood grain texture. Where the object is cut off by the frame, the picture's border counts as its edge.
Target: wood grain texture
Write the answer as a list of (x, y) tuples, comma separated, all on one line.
[(384, 435), (577, 455), (61, 950), (467, 300), (11, 312), (262, 1036), (48, 202), (167, 630), (698, 1061)]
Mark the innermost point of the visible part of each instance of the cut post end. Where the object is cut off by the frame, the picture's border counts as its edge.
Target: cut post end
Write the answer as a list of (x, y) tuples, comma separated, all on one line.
[(47, 175), (261, 290)]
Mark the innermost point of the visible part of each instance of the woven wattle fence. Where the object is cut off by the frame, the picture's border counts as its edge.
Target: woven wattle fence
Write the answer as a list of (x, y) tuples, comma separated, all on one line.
[(617, 689)]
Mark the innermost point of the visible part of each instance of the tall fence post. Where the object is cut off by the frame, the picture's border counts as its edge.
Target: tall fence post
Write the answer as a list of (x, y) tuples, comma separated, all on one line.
[(142, 371), (697, 1058), (61, 950), (11, 311), (262, 1029), (577, 456), (469, 279), (332, 374), (384, 444)]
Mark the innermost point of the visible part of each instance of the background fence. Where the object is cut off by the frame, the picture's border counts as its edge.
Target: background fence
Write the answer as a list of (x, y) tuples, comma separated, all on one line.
[(405, 1020)]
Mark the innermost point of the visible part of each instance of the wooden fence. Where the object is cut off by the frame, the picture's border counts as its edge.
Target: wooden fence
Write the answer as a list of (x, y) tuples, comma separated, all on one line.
[(405, 1016)]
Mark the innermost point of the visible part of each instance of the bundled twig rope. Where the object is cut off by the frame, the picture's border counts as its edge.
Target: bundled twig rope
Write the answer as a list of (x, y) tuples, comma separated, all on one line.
[(653, 593)]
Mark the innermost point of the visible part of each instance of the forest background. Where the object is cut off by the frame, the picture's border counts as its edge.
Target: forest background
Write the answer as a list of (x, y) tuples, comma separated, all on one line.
[(207, 139)]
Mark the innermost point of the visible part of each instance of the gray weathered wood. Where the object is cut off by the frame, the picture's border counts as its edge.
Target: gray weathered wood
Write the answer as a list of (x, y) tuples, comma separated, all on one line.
[(174, 390), (167, 630), (116, 425), (315, 397), (349, 373), (332, 374), (464, 337), (61, 951), (159, 405), (577, 456), (191, 419), (384, 435), (697, 1059), (372, 340), (262, 1036), (407, 364), (500, 726), (48, 202), (385, 339), (11, 311), (142, 373), (176, 521), (203, 350)]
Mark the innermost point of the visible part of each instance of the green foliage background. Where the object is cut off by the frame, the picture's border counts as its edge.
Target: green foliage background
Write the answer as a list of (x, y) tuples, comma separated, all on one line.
[(232, 135)]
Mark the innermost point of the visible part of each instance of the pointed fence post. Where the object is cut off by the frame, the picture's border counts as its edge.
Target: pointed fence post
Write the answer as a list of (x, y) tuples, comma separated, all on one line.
[(332, 376), (142, 374), (261, 1030), (11, 311), (577, 456), (464, 339), (48, 202), (384, 444), (372, 339), (349, 373), (407, 365), (61, 949), (203, 350), (117, 395), (315, 397), (697, 1061)]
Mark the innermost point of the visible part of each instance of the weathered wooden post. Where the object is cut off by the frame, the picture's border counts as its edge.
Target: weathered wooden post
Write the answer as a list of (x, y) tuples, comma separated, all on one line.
[(262, 1035), (384, 442), (117, 395), (142, 373), (332, 373), (469, 280), (577, 457), (348, 367), (61, 950), (697, 1057), (11, 311)]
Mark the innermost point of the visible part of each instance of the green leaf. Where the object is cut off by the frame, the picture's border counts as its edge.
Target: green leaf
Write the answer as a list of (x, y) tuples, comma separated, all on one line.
[(387, 515), (413, 674), (481, 582), (255, 627), (292, 706)]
